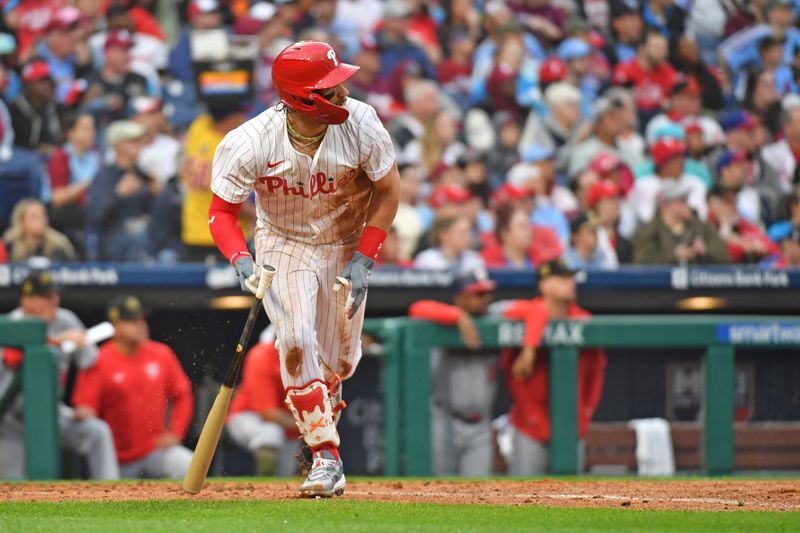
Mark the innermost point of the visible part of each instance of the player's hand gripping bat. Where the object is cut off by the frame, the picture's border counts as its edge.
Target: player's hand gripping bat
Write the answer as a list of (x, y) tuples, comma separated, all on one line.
[(209, 437)]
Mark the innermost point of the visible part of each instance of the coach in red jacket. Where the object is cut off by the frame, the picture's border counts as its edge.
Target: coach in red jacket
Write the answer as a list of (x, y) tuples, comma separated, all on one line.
[(527, 371), (131, 386)]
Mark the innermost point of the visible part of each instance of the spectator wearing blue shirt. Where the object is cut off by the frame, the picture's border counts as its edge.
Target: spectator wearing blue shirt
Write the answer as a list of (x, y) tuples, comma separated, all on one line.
[(72, 169), (771, 51), (528, 177), (393, 41), (202, 15), (583, 252), (740, 50), (666, 15), (576, 53), (10, 84), (626, 31), (499, 23), (119, 200), (788, 238), (68, 56)]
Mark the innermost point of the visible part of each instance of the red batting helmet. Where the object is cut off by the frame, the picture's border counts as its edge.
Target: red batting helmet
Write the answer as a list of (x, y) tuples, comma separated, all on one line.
[(308, 66)]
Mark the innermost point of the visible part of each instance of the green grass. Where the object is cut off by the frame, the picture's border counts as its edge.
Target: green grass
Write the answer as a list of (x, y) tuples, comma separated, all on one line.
[(351, 515)]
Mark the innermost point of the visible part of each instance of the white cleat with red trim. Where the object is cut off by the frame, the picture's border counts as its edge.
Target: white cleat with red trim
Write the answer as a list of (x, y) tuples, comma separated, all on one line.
[(326, 477)]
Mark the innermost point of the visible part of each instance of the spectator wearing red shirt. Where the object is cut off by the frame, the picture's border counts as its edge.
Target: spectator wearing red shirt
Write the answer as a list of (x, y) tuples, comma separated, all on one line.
[(464, 384), (259, 419), (72, 169), (3, 253), (527, 371), (649, 74), (133, 386), (516, 243), (541, 17), (29, 20), (455, 71), (604, 199), (745, 241)]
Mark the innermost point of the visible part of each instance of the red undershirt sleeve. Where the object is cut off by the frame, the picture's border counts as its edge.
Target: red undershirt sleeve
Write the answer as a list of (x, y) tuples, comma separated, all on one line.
[(223, 223)]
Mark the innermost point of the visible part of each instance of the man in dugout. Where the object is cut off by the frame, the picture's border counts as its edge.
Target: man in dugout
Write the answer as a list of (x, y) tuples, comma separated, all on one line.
[(133, 385), (79, 429), (464, 381), (527, 371)]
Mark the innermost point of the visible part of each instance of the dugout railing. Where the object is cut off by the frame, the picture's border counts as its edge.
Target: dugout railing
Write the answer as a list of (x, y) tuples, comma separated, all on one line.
[(407, 379), (38, 385)]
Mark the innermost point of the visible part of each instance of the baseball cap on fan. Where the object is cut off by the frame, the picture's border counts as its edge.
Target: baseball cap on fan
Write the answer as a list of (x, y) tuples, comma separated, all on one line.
[(552, 70), (124, 130), (573, 48), (449, 194), (36, 70), (396, 9), (65, 18), (736, 119), (202, 6), (672, 190), (120, 39), (142, 105), (666, 149), (604, 164), (600, 190)]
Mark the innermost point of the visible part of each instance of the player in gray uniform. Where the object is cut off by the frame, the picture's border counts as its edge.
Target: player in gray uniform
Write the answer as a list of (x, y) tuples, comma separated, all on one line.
[(464, 382), (83, 434)]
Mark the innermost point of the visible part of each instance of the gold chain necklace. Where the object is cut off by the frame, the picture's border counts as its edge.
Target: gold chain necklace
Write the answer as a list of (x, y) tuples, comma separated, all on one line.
[(300, 137)]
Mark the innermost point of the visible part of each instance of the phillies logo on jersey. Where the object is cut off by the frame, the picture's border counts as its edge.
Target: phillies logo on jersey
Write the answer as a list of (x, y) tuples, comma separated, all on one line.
[(316, 184)]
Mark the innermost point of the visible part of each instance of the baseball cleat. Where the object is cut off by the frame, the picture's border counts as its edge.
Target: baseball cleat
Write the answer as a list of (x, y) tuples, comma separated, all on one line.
[(326, 477)]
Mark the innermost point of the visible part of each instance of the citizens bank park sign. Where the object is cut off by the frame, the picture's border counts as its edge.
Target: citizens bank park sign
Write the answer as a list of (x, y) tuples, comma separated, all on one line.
[(735, 278)]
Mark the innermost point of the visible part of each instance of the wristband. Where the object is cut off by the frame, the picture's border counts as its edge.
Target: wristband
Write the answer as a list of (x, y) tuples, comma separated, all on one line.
[(237, 255), (371, 241)]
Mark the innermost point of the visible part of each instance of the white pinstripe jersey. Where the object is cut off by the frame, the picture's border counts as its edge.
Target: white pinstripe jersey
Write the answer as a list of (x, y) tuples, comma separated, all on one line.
[(323, 199)]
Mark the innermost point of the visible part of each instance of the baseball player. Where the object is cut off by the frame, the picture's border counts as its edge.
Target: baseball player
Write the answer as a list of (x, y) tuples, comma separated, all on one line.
[(327, 188), (464, 384)]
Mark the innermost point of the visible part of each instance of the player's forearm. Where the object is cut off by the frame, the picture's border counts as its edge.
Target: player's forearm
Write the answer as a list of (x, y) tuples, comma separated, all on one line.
[(384, 201)]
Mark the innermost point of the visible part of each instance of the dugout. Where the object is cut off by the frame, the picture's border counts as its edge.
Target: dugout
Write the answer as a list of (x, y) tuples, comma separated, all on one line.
[(199, 311)]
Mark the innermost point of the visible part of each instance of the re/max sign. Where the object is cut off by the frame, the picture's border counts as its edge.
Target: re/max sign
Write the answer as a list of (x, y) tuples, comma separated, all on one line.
[(511, 334)]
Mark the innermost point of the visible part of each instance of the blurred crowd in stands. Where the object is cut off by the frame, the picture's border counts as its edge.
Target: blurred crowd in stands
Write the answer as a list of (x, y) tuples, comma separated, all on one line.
[(605, 132)]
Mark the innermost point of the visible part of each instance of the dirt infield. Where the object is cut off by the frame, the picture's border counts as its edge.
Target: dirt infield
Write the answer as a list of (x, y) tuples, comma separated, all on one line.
[(707, 495)]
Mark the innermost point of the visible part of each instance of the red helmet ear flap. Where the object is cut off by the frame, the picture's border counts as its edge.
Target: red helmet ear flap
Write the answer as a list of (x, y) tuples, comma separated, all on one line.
[(325, 111)]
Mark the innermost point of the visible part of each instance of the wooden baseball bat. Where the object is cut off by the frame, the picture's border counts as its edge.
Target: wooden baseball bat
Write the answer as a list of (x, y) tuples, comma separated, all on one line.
[(212, 429)]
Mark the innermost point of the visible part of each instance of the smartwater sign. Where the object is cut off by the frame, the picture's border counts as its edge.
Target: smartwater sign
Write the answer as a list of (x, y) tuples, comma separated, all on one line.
[(759, 333)]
